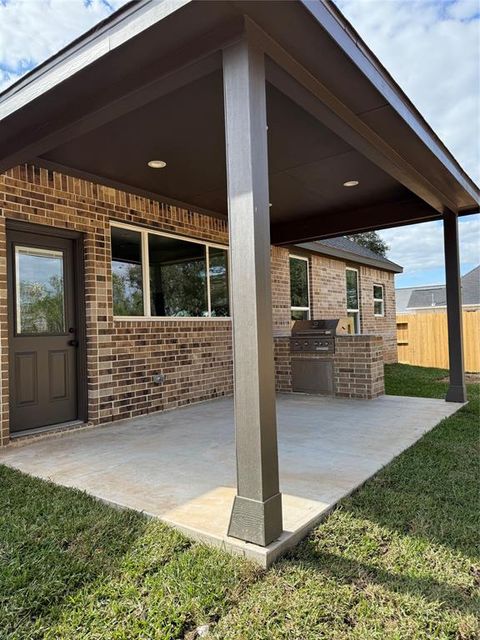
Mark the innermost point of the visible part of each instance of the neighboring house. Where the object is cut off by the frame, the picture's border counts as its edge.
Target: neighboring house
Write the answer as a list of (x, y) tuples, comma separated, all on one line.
[(434, 297), (149, 307)]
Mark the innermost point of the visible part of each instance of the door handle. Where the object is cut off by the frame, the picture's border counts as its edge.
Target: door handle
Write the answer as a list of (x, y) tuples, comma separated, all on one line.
[(73, 343)]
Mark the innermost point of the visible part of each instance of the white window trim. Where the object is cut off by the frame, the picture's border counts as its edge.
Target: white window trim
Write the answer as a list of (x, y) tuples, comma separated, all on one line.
[(382, 300), (307, 309), (147, 311), (357, 311)]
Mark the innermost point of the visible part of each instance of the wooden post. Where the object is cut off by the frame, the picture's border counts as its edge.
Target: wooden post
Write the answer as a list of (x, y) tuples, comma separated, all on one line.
[(257, 511), (457, 390)]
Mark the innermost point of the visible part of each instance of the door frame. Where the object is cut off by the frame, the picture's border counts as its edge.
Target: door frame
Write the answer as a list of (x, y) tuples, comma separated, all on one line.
[(79, 284)]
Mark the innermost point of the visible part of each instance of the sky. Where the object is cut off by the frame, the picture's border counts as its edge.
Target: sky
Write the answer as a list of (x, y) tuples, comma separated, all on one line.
[(430, 47)]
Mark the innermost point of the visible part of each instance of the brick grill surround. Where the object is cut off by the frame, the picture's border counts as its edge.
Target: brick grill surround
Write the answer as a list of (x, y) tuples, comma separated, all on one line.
[(195, 355), (357, 366)]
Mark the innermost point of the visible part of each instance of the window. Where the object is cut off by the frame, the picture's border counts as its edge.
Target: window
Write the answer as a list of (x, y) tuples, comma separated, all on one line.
[(178, 282), (299, 288), (40, 298), (218, 274), (158, 275), (378, 300), (127, 276), (353, 298)]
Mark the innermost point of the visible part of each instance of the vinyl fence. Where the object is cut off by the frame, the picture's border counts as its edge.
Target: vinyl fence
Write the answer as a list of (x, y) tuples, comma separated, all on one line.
[(422, 339)]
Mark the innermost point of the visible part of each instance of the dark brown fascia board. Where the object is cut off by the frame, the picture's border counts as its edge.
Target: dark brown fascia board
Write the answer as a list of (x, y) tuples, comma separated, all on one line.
[(383, 216), (343, 33), (385, 265), (469, 212), (121, 186)]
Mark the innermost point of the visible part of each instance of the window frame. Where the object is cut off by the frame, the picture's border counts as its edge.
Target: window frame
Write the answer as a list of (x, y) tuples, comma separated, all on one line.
[(382, 300), (307, 309), (357, 311), (144, 231)]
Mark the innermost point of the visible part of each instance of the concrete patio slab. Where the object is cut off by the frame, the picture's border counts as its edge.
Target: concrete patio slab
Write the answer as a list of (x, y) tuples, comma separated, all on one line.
[(180, 465)]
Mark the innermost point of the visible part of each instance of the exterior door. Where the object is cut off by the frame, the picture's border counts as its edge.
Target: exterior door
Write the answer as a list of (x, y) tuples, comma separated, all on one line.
[(43, 331)]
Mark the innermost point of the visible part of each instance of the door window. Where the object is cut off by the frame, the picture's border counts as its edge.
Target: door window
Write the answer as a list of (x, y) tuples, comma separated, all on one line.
[(39, 291)]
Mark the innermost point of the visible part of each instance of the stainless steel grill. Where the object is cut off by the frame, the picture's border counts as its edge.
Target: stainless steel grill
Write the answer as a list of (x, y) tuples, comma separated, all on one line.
[(316, 336)]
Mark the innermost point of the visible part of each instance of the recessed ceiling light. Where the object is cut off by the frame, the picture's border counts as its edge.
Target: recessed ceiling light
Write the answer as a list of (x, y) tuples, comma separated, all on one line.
[(350, 183), (157, 164)]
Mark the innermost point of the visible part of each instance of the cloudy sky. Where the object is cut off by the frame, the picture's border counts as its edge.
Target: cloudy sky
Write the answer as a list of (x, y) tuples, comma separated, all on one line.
[(431, 47)]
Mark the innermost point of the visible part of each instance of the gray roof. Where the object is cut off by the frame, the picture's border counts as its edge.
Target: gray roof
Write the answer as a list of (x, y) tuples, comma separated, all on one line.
[(342, 247), (435, 295), (402, 297), (471, 286), (431, 297)]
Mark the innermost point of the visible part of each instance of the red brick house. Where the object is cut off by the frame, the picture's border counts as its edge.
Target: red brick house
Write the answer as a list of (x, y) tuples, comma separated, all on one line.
[(273, 115), (181, 332)]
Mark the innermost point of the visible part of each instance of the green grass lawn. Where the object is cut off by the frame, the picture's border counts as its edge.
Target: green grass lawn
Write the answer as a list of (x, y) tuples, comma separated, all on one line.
[(397, 560)]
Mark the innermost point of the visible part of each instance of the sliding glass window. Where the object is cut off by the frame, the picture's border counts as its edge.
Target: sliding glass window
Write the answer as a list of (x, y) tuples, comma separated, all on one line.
[(175, 277)]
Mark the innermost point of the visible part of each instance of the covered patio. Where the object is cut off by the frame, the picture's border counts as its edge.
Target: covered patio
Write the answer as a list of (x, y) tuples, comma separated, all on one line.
[(277, 116), (179, 465)]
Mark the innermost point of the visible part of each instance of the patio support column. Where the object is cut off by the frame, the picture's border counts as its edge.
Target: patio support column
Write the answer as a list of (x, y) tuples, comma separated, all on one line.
[(457, 390), (257, 510)]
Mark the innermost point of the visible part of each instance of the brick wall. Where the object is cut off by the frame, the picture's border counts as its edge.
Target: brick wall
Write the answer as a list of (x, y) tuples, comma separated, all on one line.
[(328, 287), (122, 355), (283, 371), (281, 291), (385, 326), (358, 367), (329, 298), (195, 355)]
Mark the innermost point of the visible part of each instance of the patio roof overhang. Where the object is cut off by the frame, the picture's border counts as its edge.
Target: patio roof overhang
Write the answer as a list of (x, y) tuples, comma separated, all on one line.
[(147, 83)]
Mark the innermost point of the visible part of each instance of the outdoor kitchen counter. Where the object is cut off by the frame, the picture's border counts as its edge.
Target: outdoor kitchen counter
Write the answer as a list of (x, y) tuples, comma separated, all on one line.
[(356, 365)]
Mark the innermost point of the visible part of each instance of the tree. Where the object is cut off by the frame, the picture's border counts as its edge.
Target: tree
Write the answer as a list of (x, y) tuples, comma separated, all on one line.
[(371, 240), (42, 306)]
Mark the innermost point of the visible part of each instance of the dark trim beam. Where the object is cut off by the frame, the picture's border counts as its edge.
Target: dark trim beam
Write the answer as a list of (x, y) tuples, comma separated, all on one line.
[(372, 218), (456, 390), (257, 510)]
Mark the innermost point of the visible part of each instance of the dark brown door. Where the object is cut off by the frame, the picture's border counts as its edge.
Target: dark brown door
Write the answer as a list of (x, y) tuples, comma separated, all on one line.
[(43, 331)]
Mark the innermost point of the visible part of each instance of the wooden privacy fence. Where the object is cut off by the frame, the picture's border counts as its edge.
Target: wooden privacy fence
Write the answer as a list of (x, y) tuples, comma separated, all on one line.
[(422, 339)]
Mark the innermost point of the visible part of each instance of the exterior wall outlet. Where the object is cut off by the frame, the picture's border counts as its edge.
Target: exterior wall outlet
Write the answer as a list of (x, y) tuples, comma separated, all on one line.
[(158, 378)]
